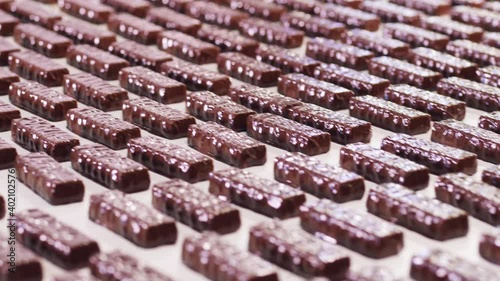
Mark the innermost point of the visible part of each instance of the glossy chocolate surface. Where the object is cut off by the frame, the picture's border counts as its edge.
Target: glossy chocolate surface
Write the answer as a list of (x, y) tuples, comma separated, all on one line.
[(490, 121), (41, 40), (489, 247), (313, 26), (7, 23), (377, 44), (138, 8), (228, 40), (95, 61), (474, 94), (7, 78), (33, 66), (32, 12), (287, 61), (331, 51), (139, 55), (475, 16), (489, 75), (28, 265), (492, 39), (415, 36), (261, 9), (172, 20), (7, 114), (454, 29), (134, 28), (371, 273), (93, 12), (479, 53), (82, 32), (215, 14), (248, 69), (430, 7), (492, 176), (187, 47), (271, 33), (6, 48), (389, 12), (352, 18), (8, 155), (443, 63), (305, 6)]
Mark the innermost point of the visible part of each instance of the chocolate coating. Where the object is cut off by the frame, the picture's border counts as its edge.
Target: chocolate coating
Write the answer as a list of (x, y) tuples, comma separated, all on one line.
[(8, 155), (139, 55), (352, 18), (454, 29), (377, 44), (82, 32), (134, 28), (32, 12), (176, 5), (481, 54), (474, 94), (6, 48), (489, 75), (7, 78), (287, 61), (33, 66), (371, 273), (95, 61), (271, 33), (475, 16), (187, 47), (138, 8), (7, 114), (7, 23), (492, 39), (41, 40), (228, 40), (93, 12), (28, 266), (215, 14), (248, 69), (331, 51), (443, 63), (490, 121), (75, 276), (430, 7), (305, 6), (313, 26), (489, 248), (492, 6), (389, 12), (265, 10), (492, 176), (172, 20), (415, 36)]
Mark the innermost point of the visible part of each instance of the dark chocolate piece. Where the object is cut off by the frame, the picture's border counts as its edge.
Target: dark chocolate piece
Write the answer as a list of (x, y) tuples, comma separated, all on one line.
[(260, 195), (7, 114), (479, 53), (305, 6), (176, 5), (41, 40), (4, 4), (371, 273), (261, 9), (378, 44), (227, 40), (475, 94), (187, 47), (215, 14), (389, 12), (488, 20), (33, 66), (492, 176), (472, 3), (134, 28), (415, 36), (7, 23), (95, 61), (332, 51), (226, 145), (7, 78), (248, 69), (6, 48), (489, 75), (28, 266), (101, 127), (287, 61), (347, 3), (489, 248), (431, 7), (56, 241), (30, 11), (91, 11), (38, 135), (360, 232), (352, 18), (172, 20), (492, 39), (313, 26), (82, 32), (138, 8), (492, 6), (8, 155), (490, 121), (454, 29), (271, 33), (443, 63), (139, 55)]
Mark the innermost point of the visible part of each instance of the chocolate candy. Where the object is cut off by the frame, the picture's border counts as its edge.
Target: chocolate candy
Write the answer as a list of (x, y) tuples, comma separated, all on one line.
[(131, 219), (56, 241), (481, 54), (492, 6), (7, 23), (6, 48), (492, 39), (313, 26), (492, 176), (478, 199), (248, 69), (265, 10), (38, 135), (28, 266), (176, 5), (431, 7), (389, 12), (7, 114), (352, 18), (378, 111), (226, 145), (7, 78), (359, 82), (311, 90), (342, 128), (169, 159), (227, 40), (207, 252), (287, 61), (215, 14), (41, 40), (440, 159), (187, 47), (75, 276), (41, 100), (416, 37), (305, 6), (134, 28), (94, 91), (360, 232), (271, 33), (195, 208), (489, 248), (171, 20), (145, 82), (139, 55), (29, 11), (370, 273), (474, 16), (33, 66), (93, 12), (378, 44), (317, 178), (260, 195), (208, 106), (454, 29), (138, 8), (490, 121), (195, 77), (475, 94), (489, 75), (84, 33), (484, 143), (4, 4), (297, 251), (101, 127), (49, 179), (96, 62), (438, 106), (287, 134), (332, 51), (446, 64), (8, 155)]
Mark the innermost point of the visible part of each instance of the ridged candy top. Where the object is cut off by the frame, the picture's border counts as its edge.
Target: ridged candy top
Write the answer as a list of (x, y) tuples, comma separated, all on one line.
[(424, 95), (387, 105)]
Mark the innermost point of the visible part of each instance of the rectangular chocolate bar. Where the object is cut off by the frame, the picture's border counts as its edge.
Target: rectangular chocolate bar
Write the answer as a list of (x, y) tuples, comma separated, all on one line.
[(378, 112), (454, 29), (271, 33), (49, 179), (138, 8), (170, 160), (41, 40), (261, 9), (380, 166), (187, 47), (360, 232), (56, 241), (287, 61), (431, 7), (134, 28), (6, 48), (38, 135), (490, 121), (352, 18), (331, 51), (7, 78), (8, 155), (91, 11), (7, 114), (415, 36), (82, 32), (305, 6), (313, 26), (41, 100), (140, 224), (94, 91), (489, 248), (226, 145), (215, 14), (439, 107), (287, 134), (33, 66), (479, 53), (484, 143), (485, 19), (248, 69), (101, 127), (7, 23), (389, 12), (176, 5), (492, 39), (474, 94), (492, 176), (260, 195), (139, 55), (227, 40), (95, 61), (32, 12), (489, 75), (445, 64), (371, 273), (379, 45), (145, 82), (199, 210), (172, 20), (28, 265)]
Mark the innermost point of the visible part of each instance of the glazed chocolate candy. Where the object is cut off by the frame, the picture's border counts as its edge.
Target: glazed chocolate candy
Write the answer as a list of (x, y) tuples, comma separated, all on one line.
[(454, 29), (169, 159), (490, 121), (287, 61), (26, 262), (492, 176), (191, 206), (378, 111), (7, 78), (134, 28), (131, 219), (359, 82), (227, 40), (29, 11), (172, 20), (41, 100), (33, 66), (138, 8), (484, 143), (438, 106), (311, 90), (218, 260), (443, 63), (6, 48), (248, 69), (41, 40), (313, 26), (265, 10), (101, 127), (305, 6), (415, 36), (332, 51), (226, 145), (489, 247), (440, 159), (195, 77), (478, 199), (49, 179), (7, 23), (352, 18), (271, 33), (7, 114), (85, 33), (215, 14), (176, 5), (287, 134), (492, 39), (389, 12), (360, 232), (94, 91), (492, 6), (489, 75), (317, 178), (8, 155), (377, 44), (261, 195), (370, 273), (430, 7), (475, 94), (187, 47), (95, 61), (479, 53), (488, 20), (93, 12), (56, 241), (38, 135), (145, 82), (139, 55), (296, 250)]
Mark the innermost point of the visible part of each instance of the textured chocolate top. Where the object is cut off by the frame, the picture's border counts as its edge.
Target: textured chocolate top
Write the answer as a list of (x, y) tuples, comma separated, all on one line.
[(37, 62), (279, 123), (237, 140), (98, 55), (471, 85), (41, 39), (415, 31), (260, 9), (41, 165), (23, 255), (390, 106), (488, 192), (442, 57), (134, 28), (29, 11), (375, 38), (227, 40), (135, 7), (404, 66), (371, 273), (92, 11), (472, 130), (138, 54), (389, 11), (353, 75), (82, 32), (248, 62), (427, 96), (476, 16), (448, 26), (328, 44), (305, 6), (475, 47), (344, 12), (95, 84), (215, 14), (172, 20)]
